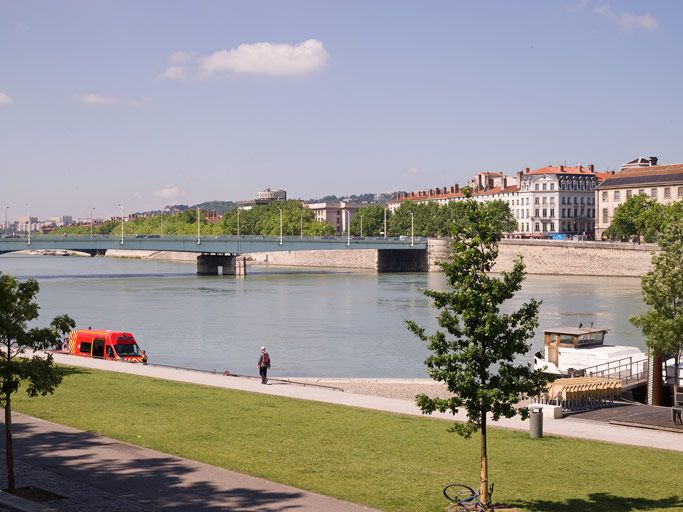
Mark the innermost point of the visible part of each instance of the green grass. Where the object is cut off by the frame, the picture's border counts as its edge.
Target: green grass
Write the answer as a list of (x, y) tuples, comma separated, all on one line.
[(387, 461)]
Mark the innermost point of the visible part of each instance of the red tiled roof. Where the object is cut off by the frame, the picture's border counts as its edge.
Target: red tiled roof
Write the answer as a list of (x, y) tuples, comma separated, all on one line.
[(496, 190), (561, 169), (649, 171)]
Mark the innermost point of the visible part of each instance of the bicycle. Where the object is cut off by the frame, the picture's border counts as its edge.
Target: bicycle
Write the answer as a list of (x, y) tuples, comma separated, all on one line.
[(464, 499)]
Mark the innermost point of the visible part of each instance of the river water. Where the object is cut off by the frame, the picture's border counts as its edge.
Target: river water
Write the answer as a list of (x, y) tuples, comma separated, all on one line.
[(315, 323)]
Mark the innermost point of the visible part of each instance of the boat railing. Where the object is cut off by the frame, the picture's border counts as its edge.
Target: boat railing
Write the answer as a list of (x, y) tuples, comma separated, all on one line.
[(627, 369)]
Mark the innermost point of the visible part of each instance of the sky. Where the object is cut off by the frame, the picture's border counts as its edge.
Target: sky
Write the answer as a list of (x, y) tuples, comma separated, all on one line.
[(150, 103)]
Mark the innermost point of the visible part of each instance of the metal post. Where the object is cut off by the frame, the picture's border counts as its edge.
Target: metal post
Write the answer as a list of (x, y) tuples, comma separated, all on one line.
[(412, 229), (348, 227), (161, 233), (280, 225), (199, 235), (121, 206), (238, 221), (28, 213), (302, 225), (385, 223), (91, 210), (361, 226), (6, 225)]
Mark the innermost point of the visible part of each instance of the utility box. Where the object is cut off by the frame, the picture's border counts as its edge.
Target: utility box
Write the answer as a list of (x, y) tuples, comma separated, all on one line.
[(536, 423)]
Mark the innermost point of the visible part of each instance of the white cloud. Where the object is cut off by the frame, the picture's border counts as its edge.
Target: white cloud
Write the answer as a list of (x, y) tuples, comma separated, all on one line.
[(180, 57), (169, 192), (174, 73), (5, 99), (98, 99), (268, 58), (628, 21), (413, 171)]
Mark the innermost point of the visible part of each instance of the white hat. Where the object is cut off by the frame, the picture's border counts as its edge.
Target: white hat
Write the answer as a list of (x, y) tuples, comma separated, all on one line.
[(263, 349)]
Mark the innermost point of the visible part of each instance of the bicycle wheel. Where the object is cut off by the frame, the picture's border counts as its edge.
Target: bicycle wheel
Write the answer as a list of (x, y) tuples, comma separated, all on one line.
[(459, 493)]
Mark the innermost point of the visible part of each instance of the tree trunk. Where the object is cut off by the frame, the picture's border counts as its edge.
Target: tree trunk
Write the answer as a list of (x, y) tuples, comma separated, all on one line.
[(9, 450), (484, 482)]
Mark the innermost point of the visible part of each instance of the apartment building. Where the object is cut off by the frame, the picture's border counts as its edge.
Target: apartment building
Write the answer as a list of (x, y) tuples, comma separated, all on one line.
[(338, 215), (545, 201), (664, 183)]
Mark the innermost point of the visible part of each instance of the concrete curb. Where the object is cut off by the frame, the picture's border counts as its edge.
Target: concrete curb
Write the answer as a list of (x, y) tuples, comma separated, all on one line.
[(18, 504)]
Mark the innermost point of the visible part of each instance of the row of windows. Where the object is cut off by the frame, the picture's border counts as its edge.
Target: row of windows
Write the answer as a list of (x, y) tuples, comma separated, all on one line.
[(550, 213), (653, 193), (545, 227), (564, 185)]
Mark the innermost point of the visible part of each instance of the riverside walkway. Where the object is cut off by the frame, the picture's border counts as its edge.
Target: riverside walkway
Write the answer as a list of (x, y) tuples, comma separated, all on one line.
[(566, 427)]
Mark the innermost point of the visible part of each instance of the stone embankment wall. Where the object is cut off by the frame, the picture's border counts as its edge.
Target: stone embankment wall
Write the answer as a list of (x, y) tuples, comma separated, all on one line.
[(564, 258), (361, 259), (182, 257)]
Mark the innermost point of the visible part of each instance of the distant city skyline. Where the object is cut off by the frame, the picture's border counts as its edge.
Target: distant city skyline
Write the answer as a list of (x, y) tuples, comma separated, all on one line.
[(156, 103)]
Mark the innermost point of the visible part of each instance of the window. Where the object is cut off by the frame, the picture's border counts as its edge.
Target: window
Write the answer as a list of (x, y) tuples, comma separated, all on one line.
[(576, 200), (562, 212), (545, 213), (86, 346), (629, 193), (536, 200), (604, 195), (536, 212), (552, 212), (545, 227), (536, 186), (605, 217), (545, 187), (680, 191), (653, 193), (545, 200), (552, 186), (552, 226), (617, 195), (562, 200), (537, 226), (582, 199), (552, 200), (667, 192)]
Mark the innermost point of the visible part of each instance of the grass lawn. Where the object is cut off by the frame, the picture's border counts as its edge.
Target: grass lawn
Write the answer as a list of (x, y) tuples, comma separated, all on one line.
[(386, 461)]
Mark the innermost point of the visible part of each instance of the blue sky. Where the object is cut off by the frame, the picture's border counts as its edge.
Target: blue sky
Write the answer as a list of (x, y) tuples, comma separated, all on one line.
[(162, 102)]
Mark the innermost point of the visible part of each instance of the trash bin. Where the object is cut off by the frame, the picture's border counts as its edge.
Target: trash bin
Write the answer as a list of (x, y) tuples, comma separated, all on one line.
[(536, 422)]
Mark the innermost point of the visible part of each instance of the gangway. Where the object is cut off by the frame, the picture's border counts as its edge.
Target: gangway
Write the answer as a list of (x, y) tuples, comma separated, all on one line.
[(632, 371)]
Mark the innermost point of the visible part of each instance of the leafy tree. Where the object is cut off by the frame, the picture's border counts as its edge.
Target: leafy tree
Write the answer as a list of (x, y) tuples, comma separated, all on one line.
[(62, 325), (474, 353), (17, 309), (662, 323), (373, 220), (638, 216)]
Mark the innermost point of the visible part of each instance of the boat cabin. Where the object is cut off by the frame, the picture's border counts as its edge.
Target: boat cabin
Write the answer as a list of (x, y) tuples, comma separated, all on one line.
[(571, 337)]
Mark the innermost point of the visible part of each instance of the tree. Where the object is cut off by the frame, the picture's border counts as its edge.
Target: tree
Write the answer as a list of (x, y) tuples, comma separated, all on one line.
[(17, 309), (638, 216), (373, 220), (62, 325), (662, 323), (477, 361)]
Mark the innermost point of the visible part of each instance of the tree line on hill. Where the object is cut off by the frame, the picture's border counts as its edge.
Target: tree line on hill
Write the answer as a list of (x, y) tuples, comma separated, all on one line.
[(427, 220)]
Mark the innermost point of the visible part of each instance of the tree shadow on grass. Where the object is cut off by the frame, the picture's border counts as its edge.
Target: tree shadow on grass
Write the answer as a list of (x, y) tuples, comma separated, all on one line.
[(149, 479), (603, 502)]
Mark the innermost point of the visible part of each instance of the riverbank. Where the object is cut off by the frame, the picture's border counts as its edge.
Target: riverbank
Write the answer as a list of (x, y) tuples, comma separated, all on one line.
[(541, 257)]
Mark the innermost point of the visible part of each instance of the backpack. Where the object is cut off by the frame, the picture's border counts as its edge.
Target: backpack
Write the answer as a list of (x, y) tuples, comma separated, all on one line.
[(265, 360)]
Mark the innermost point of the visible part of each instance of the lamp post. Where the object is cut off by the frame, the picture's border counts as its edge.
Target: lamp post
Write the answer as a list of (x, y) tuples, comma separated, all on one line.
[(385, 223), (199, 235), (302, 225), (6, 225), (91, 220), (412, 229), (280, 225), (28, 215), (361, 226), (161, 232), (348, 227), (121, 206)]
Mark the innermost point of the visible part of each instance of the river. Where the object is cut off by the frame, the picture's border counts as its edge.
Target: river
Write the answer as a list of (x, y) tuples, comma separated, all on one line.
[(315, 323)]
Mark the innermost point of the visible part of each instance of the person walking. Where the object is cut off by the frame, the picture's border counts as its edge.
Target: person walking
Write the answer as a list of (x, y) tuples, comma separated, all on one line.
[(144, 357), (263, 365)]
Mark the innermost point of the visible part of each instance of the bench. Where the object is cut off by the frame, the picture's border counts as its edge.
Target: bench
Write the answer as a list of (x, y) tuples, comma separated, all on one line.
[(677, 409)]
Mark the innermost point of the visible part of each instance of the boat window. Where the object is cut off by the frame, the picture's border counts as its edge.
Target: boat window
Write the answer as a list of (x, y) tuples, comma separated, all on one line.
[(86, 347), (567, 340), (127, 349)]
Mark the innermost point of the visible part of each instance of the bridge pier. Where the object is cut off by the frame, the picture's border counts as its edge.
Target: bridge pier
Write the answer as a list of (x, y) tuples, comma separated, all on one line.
[(230, 265), (402, 260)]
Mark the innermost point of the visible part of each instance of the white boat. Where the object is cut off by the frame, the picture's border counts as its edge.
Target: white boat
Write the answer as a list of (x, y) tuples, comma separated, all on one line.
[(579, 351)]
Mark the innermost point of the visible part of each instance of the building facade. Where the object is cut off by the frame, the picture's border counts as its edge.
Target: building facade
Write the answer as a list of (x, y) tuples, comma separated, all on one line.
[(338, 215), (552, 200), (664, 183)]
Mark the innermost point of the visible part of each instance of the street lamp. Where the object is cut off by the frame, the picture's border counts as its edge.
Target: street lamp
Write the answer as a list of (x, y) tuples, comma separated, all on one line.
[(199, 235), (348, 227), (385, 223), (302, 225), (121, 206), (161, 234), (412, 229), (91, 220), (6, 225), (28, 215), (361, 226), (238, 221), (280, 225)]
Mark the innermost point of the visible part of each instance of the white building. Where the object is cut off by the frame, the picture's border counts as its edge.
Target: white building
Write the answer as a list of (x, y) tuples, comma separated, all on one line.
[(338, 215), (272, 195)]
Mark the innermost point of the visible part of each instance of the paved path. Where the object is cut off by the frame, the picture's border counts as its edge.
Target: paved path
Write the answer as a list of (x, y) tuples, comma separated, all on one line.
[(95, 473), (567, 427)]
